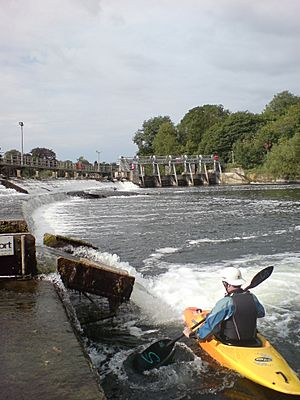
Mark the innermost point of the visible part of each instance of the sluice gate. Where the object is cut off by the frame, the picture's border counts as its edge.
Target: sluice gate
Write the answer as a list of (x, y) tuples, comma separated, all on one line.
[(159, 171)]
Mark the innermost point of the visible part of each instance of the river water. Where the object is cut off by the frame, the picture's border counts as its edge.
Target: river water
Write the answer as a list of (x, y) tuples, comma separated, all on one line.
[(175, 241)]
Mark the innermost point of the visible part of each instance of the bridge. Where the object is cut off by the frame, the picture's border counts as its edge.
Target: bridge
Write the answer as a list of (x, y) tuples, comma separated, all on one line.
[(158, 171), (145, 171), (20, 166)]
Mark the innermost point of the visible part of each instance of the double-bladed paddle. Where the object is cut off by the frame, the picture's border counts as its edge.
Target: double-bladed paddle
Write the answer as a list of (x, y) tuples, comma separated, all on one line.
[(160, 352)]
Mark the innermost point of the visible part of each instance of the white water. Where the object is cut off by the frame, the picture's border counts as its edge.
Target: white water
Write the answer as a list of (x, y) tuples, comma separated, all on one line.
[(178, 285), (176, 267)]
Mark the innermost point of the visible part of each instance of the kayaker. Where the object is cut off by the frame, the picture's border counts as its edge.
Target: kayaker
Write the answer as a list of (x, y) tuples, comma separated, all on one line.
[(233, 318)]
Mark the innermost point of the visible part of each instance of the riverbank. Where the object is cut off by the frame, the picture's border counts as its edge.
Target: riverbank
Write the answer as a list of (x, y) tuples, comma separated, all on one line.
[(41, 357), (238, 176)]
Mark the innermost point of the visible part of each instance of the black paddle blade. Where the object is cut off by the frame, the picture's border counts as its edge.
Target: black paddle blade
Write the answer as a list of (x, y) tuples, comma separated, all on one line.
[(156, 355), (260, 277)]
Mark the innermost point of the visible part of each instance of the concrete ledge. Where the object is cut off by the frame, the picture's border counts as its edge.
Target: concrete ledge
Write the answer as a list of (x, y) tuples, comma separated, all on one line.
[(95, 278), (41, 357)]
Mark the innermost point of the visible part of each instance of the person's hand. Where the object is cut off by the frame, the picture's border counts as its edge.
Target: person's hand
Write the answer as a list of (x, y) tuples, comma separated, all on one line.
[(187, 332)]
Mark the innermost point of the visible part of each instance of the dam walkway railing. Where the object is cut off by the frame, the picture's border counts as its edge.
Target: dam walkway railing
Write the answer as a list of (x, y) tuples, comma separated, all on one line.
[(146, 171), (16, 164), (171, 170)]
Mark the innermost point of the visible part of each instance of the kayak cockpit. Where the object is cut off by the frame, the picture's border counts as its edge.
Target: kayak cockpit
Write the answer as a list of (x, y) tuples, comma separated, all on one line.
[(256, 342)]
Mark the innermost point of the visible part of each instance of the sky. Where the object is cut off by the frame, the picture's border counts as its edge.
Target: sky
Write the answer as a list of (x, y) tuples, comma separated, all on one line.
[(83, 75)]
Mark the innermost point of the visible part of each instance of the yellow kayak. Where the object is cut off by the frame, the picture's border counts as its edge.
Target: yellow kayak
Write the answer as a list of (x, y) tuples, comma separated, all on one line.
[(262, 364)]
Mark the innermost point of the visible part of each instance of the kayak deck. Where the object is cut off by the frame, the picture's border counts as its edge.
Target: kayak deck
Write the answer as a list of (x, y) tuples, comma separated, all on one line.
[(263, 364)]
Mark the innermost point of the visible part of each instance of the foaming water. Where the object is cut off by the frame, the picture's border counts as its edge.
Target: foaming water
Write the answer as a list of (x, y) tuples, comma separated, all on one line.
[(46, 200), (63, 185), (7, 192), (11, 203), (176, 242)]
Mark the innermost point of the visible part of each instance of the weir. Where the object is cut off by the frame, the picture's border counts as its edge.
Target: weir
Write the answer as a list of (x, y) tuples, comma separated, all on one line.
[(145, 171), (159, 171)]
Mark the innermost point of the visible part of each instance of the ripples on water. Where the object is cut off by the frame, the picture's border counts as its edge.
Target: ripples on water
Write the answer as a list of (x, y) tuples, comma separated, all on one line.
[(176, 241)]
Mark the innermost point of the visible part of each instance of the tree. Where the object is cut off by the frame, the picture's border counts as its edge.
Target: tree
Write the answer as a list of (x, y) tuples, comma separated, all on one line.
[(248, 154), (42, 152), (254, 150), (196, 122), (144, 137), (12, 153), (82, 160), (166, 142), (285, 125), (221, 138), (280, 104), (283, 160)]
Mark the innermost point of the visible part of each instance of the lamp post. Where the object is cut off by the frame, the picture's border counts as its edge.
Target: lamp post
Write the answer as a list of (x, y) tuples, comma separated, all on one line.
[(98, 153), (22, 142)]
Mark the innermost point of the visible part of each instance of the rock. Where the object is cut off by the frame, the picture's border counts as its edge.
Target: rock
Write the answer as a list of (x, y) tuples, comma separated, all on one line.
[(13, 226), (57, 241)]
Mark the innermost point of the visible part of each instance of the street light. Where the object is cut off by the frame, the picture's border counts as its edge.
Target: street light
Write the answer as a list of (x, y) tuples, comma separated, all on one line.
[(22, 142), (98, 152)]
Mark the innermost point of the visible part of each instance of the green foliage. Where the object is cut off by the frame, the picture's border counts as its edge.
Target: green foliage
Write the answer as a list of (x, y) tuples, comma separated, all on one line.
[(284, 126), (280, 104), (82, 160), (253, 152), (144, 137), (238, 127), (45, 174), (283, 160), (42, 152), (166, 142), (196, 122), (12, 153), (27, 173), (248, 154)]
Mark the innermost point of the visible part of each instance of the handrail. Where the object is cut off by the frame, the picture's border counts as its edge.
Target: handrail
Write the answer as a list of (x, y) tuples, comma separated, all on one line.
[(171, 159), (53, 164)]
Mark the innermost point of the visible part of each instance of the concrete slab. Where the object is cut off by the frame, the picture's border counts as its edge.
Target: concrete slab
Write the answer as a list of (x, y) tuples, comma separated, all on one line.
[(40, 356)]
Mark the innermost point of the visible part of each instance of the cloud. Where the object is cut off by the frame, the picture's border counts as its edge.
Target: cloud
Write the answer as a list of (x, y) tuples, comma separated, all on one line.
[(91, 6), (85, 74)]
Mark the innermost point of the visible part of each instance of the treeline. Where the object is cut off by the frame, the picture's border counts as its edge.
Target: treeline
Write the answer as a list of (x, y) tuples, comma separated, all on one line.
[(42, 153), (267, 143)]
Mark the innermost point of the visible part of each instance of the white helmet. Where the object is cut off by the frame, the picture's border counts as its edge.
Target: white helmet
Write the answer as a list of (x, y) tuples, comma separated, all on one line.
[(233, 276)]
